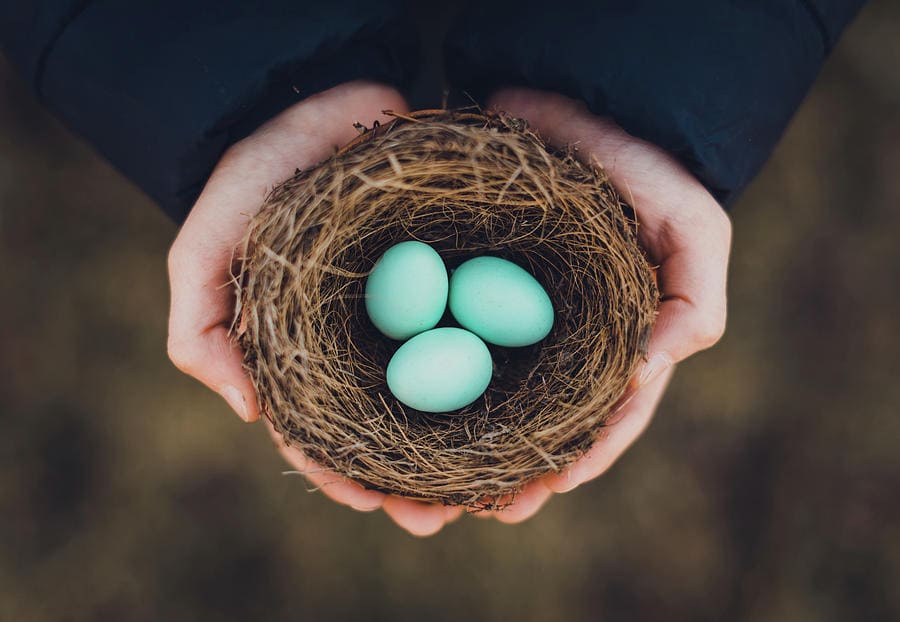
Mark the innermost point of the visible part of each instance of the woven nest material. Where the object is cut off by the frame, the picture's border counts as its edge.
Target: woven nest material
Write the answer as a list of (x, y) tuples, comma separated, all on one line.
[(468, 184)]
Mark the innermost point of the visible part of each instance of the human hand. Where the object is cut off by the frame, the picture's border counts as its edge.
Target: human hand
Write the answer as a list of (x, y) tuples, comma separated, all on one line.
[(200, 261), (682, 229)]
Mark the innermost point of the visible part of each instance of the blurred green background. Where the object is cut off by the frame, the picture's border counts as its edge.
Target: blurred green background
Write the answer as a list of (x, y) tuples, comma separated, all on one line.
[(766, 488)]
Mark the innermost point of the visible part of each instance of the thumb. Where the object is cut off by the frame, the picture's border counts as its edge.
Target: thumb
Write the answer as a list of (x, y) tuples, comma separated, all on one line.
[(692, 281), (212, 358), (200, 260)]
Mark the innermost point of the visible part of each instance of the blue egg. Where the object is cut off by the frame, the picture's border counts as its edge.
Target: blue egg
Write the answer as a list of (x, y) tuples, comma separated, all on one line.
[(500, 302), (406, 292), (440, 370)]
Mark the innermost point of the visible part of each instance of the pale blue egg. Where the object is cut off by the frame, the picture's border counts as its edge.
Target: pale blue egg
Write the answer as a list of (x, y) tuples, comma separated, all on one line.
[(440, 370), (500, 302), (406, 292)]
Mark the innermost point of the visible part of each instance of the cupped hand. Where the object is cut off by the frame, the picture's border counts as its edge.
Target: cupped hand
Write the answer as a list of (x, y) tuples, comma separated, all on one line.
[(200, 262), (683, 231)]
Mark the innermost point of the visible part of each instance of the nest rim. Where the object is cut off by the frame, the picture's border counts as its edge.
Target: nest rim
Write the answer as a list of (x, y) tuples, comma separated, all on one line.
[(316, 369)]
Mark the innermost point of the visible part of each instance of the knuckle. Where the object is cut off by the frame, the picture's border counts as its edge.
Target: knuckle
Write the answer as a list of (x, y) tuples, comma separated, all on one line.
[(708, 333), (723, 220), (174, 258), (722, 223), (239, 150), (179, 353)]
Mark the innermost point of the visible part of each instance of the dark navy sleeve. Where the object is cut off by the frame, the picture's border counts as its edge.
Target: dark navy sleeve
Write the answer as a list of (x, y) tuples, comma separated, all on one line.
[(714, 82), (162, 87)]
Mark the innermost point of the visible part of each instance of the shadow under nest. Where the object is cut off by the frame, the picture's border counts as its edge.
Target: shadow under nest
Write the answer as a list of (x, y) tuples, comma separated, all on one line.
[(468, 184)]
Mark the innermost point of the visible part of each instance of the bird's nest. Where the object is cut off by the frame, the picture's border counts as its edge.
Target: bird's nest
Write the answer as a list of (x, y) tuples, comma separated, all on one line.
[(467, 184)]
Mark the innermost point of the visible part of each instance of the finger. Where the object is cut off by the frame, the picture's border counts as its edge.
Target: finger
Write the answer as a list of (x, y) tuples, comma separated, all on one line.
[(693, 312), (213, 358), (452, 513), (200, 260), (526, 504), (332, 485), (342, 490), (682, 227), (617, 438), (419, 519), (692, 247), (641, 172)]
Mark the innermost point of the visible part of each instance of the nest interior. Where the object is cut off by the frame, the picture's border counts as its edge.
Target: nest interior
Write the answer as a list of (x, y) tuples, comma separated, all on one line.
[(468, 184)]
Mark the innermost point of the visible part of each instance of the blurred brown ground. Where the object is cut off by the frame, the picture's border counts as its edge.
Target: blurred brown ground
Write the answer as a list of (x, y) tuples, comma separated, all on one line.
[(766, 489)]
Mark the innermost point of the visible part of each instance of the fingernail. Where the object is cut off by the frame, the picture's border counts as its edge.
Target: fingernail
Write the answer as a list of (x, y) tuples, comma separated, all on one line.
[(573, 481), (567, 481), (235, 399), (369, 504), (366, 508), (657, 364)]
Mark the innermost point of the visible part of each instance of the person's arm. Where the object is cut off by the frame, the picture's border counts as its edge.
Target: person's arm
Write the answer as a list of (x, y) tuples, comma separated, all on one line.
[(207, 105), (200, 262), (161, 88), (713, 82), (684, 232), (632, 84)]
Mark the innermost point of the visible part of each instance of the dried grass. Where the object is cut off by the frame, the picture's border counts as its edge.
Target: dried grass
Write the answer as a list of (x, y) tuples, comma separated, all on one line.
[(468, 184)]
